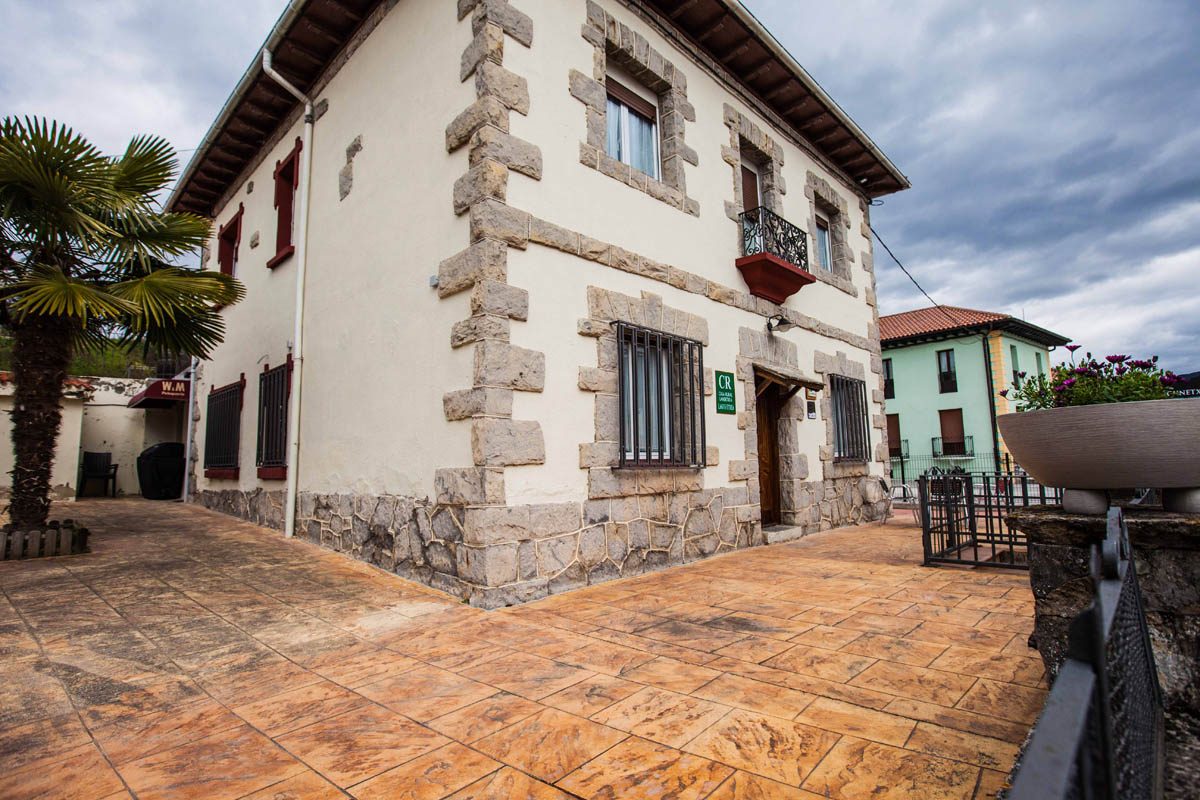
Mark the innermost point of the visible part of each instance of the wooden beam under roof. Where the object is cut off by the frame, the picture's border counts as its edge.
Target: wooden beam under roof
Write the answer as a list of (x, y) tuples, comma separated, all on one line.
[(737, 50), (320, 31), (759, 69), (717, 24), (682, 7)]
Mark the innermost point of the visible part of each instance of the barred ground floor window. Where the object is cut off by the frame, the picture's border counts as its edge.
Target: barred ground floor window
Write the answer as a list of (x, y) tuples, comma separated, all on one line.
[(661, 398)]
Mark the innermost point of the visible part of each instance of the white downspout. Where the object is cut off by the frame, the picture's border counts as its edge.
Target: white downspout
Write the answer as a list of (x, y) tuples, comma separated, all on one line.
[(303, 191), (187, 442)]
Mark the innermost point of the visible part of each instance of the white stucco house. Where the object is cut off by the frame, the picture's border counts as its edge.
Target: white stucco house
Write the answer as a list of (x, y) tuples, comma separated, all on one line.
[(540, 293)]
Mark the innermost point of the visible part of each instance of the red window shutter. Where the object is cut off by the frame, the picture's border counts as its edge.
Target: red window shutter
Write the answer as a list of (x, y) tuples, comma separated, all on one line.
[(287, 175), (228, 238)]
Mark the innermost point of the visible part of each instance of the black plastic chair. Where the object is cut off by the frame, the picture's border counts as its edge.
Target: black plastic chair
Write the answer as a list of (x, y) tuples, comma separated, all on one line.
[(97, 466)]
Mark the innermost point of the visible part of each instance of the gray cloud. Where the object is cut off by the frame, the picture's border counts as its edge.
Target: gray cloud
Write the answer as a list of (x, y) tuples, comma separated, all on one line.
[(1053, 147), (1054, 152)]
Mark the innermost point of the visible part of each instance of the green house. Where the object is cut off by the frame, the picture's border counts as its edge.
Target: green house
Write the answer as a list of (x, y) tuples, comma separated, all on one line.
[(944, 368)]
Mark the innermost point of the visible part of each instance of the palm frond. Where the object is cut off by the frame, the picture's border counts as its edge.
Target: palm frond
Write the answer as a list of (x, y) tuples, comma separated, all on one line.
[(172, 294), (195, 334), (142, 238), (146, 167), (50, 291)]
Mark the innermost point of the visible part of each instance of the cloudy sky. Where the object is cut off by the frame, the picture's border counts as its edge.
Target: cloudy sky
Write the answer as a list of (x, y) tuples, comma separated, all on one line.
[(1054, 147)]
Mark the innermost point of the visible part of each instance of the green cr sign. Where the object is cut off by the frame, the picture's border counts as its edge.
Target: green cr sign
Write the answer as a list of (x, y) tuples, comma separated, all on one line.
[(726, 403)]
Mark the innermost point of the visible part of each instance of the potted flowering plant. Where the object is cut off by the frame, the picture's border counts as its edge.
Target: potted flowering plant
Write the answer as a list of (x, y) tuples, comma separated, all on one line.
[(1106, 424)]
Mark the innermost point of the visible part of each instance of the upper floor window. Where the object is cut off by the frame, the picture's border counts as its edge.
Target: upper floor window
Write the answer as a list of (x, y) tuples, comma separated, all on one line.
[(952, 442), (889, 383), (632, 132), (1016, 364), (851, 420), (824, 250), (228, 238), (947, 376), (1041, 370), (661, 399), (287, 178)]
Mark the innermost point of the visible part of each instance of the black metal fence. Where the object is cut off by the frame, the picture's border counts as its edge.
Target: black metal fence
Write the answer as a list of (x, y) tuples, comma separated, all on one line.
[(1100, 734), (764, 231), (906, 468), (963, 517)]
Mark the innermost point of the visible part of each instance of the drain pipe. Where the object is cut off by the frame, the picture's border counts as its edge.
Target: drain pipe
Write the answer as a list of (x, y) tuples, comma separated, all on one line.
[(303, 191), (191, 425)]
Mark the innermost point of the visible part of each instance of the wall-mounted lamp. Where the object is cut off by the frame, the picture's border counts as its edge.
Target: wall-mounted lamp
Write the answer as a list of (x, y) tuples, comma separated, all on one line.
[(779, 323)]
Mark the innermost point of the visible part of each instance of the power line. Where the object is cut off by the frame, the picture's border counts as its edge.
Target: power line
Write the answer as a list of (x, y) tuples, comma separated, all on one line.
[(904, 269)]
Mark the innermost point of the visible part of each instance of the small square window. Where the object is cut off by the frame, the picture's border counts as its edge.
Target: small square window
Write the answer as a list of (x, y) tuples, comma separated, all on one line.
[(824, 251), (889, 383), (632, 129)]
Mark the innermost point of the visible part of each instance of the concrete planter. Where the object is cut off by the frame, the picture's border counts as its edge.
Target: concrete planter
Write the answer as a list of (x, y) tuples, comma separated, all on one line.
[(1089, 450)]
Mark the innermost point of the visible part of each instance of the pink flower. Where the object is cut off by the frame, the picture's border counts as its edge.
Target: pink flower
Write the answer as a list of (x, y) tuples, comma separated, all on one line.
[(1068, 382), (1115, 359), (1004, 393), (1074, 347), (1121, 370)]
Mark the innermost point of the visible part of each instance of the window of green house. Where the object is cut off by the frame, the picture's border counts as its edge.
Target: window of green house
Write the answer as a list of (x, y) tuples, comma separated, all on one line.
[(947, 376), (1016, 363), (1041, 370)]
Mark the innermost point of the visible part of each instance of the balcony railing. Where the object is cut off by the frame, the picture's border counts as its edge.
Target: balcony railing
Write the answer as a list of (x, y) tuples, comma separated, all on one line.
[(889, 388), (947, 382), (764, 231), (953, 447), (898, 449)]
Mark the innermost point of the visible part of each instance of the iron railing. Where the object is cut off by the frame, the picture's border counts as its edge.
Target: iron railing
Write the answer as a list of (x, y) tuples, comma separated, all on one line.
[(1100, 734), (943, 447), (964, 517), (274, 386), (223, 426), (660, 394), (851, 419), (764, 231), (908, 467), (898, 449), (947, 382)]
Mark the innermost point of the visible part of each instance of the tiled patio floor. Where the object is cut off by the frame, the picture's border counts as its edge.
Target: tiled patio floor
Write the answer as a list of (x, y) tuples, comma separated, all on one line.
[(195, 656)]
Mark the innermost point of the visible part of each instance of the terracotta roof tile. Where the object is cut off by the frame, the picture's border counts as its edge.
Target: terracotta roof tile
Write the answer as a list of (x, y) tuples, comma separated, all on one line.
[(932, 320)]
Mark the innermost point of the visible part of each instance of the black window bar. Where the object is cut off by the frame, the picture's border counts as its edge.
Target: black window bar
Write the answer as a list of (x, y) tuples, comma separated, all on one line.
[(274, 386), (851, 419), (764, 231), (223, 426), (660, 394)]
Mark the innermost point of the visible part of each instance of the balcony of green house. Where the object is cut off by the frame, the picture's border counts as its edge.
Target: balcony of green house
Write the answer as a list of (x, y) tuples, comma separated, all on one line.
[(948, 448), (774, 260)]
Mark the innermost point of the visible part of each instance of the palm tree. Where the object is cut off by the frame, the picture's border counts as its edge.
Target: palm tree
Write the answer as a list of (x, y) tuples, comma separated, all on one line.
[(85, 254)]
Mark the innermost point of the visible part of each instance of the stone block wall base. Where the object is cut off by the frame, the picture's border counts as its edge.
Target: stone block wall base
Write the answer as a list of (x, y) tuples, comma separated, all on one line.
[(259, 506), (410, 537)]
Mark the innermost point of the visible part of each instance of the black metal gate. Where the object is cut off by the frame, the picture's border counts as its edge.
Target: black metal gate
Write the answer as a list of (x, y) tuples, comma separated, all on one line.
[(963, 517), (1100, 734)]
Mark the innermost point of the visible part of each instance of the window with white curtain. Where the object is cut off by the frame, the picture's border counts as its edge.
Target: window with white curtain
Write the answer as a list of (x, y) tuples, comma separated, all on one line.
[(632, 129)]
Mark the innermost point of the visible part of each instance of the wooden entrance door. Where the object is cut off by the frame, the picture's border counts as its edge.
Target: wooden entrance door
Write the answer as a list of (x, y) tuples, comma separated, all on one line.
[(768, 404)]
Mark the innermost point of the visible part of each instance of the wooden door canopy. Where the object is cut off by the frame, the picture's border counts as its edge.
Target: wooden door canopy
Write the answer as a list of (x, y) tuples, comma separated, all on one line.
[(788, 380)]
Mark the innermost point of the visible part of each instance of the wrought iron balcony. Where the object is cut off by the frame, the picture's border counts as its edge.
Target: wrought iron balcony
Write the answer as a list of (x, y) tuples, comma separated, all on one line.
[(953, 447), (774, 259), (764, 231), (898, 449)]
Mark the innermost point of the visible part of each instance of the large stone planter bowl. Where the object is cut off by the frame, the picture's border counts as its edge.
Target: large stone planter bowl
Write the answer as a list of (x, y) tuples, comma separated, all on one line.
[(1153, 444)]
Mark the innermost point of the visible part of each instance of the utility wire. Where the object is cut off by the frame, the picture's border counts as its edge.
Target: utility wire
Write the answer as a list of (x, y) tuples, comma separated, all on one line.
[(904, 269)]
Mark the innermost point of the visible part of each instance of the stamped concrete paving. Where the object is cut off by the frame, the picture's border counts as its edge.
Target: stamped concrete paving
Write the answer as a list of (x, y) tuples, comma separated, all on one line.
[(195, 656)]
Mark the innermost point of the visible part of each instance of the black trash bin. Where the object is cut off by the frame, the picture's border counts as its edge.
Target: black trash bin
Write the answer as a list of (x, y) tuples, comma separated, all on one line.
[(160, 471)]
